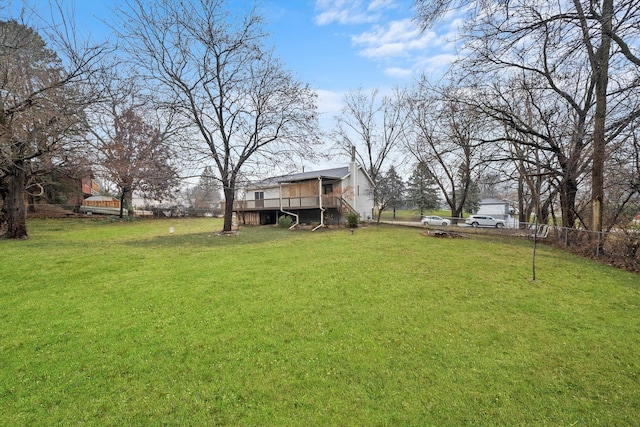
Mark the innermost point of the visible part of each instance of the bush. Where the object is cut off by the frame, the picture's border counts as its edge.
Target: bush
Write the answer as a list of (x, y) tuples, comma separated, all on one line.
[(285, 221), (352, 220)]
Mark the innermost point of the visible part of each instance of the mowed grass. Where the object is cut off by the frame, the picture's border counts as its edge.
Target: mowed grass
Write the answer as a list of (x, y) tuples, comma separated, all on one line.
[(126, 324), (410, 214)]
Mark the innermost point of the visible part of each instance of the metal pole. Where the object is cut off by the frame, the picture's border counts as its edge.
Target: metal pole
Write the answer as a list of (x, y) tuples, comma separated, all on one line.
[(535, 244)]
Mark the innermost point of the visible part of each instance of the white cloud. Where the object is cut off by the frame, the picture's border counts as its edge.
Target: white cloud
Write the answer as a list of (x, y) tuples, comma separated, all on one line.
[(329, 102), (351, 11), (342, 17), (382, 4), (436, 64), (399, 73), (397, 38), (389, 36)]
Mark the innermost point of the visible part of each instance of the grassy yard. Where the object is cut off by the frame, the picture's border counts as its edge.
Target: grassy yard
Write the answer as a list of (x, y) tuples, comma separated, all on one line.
[(411, 215), (126, 324)]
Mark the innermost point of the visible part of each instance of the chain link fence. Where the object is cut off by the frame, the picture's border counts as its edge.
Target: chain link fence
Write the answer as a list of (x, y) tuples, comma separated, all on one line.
[(619, 247)]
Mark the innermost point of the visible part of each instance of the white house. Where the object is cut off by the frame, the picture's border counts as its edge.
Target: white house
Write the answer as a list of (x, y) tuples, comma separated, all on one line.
[(319, 197), (499, 209)]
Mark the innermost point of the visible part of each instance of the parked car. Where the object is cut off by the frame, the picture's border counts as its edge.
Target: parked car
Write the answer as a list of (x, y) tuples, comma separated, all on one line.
[(484, 221), (435, 220)]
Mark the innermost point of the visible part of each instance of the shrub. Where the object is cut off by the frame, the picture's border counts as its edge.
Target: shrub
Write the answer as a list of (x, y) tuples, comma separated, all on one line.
[(285, 221), (352, 220)]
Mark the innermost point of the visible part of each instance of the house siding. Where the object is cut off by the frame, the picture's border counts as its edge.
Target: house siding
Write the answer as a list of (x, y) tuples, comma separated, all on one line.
[(361, 190), (499, 209), (305, 199)]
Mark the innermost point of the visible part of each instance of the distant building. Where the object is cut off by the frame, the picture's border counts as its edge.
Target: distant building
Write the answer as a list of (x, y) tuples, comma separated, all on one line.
[(89, 186), (105, 205), (499, 209)]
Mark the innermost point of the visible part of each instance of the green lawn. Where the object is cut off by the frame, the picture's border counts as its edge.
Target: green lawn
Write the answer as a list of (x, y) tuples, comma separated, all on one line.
[(410, 214), (126, 324)]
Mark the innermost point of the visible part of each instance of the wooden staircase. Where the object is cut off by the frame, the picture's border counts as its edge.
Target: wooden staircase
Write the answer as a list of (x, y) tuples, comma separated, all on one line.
[(345, 207)]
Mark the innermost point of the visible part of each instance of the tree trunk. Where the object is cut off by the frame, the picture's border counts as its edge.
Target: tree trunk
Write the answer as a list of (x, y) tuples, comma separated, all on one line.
[(32, 203), (522, 209), (14, 210), (128, 202), (568, 191), (229, 199), (599, 122), (124, 192), (456, 215), (545, 209)]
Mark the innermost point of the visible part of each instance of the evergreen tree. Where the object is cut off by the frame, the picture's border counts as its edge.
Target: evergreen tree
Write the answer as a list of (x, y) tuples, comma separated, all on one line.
[(205, 196), (391, 190), (422, 189)]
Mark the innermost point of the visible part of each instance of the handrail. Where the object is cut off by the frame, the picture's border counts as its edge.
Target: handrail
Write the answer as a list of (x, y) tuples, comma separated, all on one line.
[(347, 204)]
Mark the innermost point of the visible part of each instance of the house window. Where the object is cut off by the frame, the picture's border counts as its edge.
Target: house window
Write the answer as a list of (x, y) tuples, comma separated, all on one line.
[(327, 189), (259, 198)]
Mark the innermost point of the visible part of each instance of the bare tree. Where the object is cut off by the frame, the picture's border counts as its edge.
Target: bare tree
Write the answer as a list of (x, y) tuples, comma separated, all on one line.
[(136, 157), (42, 96), (591, 43), (246, 109), (623, 180), (133, 140), (532, 170), (547, 135), (447, 140), (373, 126)]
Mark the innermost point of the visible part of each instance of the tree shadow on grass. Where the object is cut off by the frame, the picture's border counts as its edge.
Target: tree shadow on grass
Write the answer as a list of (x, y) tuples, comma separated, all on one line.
[(246, 236)]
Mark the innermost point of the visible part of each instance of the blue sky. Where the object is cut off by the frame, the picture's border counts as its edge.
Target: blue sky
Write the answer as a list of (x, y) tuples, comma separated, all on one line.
[(334, 45), (341, 45)]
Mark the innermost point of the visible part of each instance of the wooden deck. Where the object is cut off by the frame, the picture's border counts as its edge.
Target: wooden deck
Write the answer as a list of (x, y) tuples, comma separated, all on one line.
[(303, 202)]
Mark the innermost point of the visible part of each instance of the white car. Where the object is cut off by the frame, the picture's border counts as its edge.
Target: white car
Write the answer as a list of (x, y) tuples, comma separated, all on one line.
[(484, 221), (435, 220)]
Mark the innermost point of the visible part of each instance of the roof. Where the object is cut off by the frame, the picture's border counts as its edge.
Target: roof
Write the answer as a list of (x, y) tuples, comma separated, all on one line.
[(336, 173), (99, 199), (493, 202)]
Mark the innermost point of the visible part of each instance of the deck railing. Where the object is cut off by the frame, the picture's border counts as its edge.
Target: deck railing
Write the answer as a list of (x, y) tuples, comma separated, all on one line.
[(302, 202)]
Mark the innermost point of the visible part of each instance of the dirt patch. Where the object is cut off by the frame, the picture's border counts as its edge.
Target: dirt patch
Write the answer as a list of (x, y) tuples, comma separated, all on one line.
[(226, 233), (45, 210), (443, 234)]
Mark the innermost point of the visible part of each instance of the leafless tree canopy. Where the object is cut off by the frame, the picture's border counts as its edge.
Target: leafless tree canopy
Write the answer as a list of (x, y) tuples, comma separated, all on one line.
[(246, 109), (373, 126), (562, 78), (132, 140), (42, 98), (447, 138)]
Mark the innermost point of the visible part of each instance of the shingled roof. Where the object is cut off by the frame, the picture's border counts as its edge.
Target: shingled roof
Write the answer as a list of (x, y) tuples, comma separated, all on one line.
[(336, 173)]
